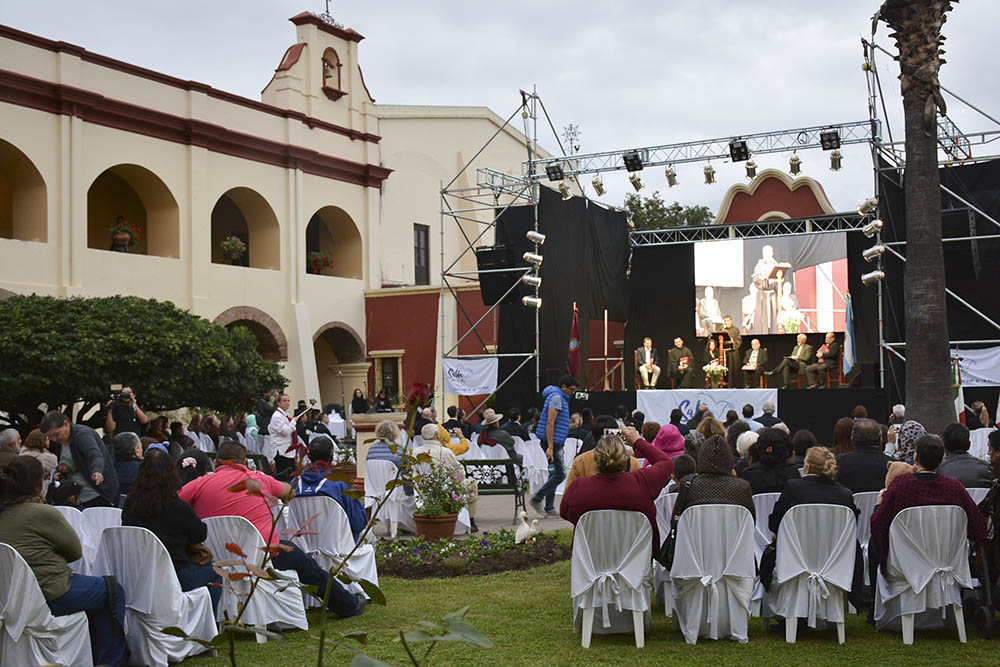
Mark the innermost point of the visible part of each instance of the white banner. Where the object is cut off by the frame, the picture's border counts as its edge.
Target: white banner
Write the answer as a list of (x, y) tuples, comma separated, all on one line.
[(657, 404), (470, 377), (980, 368)]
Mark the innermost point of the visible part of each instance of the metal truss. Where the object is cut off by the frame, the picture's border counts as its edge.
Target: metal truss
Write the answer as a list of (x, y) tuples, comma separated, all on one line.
[(820, 224), (951, 139), (803, 138)]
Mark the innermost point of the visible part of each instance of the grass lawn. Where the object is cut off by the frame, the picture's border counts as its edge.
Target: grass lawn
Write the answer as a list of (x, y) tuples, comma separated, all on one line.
[(527, 616)]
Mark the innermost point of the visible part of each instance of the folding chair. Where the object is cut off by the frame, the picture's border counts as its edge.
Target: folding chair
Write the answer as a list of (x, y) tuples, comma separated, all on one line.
[(536, 467), (661, 577), (866, 502), (398, 510), (152, 603), (31, 635), (763, 505), (570, 447), (74, 517), (612, 550), (814, 566)]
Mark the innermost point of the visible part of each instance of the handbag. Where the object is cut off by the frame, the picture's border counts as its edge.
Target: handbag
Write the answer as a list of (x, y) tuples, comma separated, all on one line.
[(666, 555), (199, 554)]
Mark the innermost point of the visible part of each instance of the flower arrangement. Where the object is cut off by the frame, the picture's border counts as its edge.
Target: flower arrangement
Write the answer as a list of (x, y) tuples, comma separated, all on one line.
[(122, 227), (317, 261), (344, 457), (440, 492), (715, 370), (232, 248), (791, 325)]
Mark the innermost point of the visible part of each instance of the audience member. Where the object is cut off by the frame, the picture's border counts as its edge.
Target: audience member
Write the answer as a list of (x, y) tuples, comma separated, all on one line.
[(733, 432), (842, 430), (359, 404), (669, 441), (818, 484), (153, 504), (210, 496), (714, 483), (616, 486), (748, 418), (731, 418), (744, 447), (386, 446), (585, 464), (621, 416), (533, 413), (514, 425), (978, 416), (10, 440), (801, 442), (649, 431), (382, 402), (677, 419), (770, 472), (584, 435), (991, 505), (128, 456), (696, 418), (37, 445), (495, 436), (192, 464), (906, 440), (440, 454), (553, 427), (863, 468), (83, 458), (425, 417), (859, 412), (48, 543), (898, 415), (124, 414), (709, 426), (767, 418), (448, 438), (312, 481), (959, 463), (453, 420), (64, 494), (692, 442), (684, 465)]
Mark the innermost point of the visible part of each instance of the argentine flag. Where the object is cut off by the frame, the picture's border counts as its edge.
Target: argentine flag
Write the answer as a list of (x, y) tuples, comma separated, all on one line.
[(849, 354)]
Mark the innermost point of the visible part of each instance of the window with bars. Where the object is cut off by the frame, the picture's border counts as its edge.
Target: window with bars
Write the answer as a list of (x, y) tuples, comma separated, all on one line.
[(421, 255)]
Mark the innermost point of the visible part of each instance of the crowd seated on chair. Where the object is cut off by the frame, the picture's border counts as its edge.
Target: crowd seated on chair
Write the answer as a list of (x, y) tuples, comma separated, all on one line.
[(863, 468), (959, 463), (494, 435), (441, 454), (714, 483), (818, 484), (312, 481), (770, 469)]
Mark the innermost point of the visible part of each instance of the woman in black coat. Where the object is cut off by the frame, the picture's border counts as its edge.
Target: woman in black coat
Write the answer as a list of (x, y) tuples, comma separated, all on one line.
[(770, 470), (817, 486)]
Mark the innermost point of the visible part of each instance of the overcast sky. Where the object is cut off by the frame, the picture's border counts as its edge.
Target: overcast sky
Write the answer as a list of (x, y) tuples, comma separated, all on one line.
[(629, 73)]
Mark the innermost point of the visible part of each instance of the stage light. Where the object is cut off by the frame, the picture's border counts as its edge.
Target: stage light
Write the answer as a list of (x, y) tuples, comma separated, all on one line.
[(636, 182), (829, 140), (564, 189), (554, 171), (532, 302), (532, 281), (535, 237), (532, 258), (709, 174), (671, 176), (598, 185), (632, 161), (738, 150), (836, 160), (873, 253), (872, 228), (871, 278), (751, 169), (795, 164), (867, 206)]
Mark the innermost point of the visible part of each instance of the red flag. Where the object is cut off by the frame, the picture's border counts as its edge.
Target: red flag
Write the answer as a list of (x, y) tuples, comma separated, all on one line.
[(573, 360)]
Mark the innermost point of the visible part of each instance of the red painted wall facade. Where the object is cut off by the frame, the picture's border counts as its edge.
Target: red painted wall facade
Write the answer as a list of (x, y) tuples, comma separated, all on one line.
[(404, 322), (773, 195)]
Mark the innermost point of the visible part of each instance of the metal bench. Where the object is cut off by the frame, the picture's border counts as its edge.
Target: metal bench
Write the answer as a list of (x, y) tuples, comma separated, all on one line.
[(494, 482)]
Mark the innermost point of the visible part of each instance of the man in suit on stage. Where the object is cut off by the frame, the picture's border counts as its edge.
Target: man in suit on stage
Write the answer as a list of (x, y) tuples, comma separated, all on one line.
[(754, 364), (648, 362), (826, 359), (797, 360), (680, 364), (731, 344)]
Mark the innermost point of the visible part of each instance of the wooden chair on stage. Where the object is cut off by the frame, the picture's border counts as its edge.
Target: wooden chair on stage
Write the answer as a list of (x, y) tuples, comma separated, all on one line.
[(836, 373), (763, 378)]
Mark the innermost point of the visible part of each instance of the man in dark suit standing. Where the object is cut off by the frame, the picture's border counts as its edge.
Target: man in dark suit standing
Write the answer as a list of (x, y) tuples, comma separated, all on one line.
[(826, 359), (754, 364), (680, 364), (797, 360), (648, 362)]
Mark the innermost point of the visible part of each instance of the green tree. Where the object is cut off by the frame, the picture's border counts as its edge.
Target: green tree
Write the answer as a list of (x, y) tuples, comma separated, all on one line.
[(61, 351), (653, 213)]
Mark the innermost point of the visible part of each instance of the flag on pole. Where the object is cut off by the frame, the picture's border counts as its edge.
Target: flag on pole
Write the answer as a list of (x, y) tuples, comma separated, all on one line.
[(573, 360), (956, 375), (850, 357)]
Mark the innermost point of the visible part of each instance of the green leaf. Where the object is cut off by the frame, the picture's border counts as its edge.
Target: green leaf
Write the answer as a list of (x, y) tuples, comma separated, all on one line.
[(418, 637), (173, 631), (362, 660), (373, 592), (359, 635), (338, 476), (463, 632), (432, 626), (457, 615)]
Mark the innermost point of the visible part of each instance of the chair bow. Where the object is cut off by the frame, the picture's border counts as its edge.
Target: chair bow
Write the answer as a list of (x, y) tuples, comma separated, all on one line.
[(941, 577), (708, 581), (607, 582), (818, 591)]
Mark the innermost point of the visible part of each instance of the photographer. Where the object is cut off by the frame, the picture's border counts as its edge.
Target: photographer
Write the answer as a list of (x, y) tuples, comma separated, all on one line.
[(124, 414)]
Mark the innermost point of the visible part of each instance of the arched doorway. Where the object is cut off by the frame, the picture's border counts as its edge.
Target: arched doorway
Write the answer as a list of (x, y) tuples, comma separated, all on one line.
[(271, 342), (245, 214), (331, 230), (23, 202), (340, 362), (138, 196)]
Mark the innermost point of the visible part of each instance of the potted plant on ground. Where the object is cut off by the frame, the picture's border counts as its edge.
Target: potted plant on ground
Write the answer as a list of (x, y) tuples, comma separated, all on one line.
[(124, 234), (232, 249), (441, 495), (344, 461), (316, 262)]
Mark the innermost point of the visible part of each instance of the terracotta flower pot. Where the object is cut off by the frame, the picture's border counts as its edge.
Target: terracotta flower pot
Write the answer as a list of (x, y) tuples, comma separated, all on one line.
[(436, 527), (123, 238)]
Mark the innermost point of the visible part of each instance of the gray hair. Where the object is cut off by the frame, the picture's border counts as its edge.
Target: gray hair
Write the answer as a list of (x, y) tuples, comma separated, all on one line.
[(430, 432), (744, 442), (387, 430), (899, 411), (784, 427), (427, 413), (9, 438), (769, 408)]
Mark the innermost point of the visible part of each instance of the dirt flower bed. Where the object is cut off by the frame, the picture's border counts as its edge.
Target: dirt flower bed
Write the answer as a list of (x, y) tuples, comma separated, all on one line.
[(487, 553)]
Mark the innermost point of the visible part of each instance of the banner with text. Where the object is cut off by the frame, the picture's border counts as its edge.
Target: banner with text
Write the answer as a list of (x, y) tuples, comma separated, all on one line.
[(470, 377), (657, 404)]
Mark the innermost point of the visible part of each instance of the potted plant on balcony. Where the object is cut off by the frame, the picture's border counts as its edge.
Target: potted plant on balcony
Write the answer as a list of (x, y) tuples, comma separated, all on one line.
[(317, 261), (441, 495), (232, 249), (124, 234)]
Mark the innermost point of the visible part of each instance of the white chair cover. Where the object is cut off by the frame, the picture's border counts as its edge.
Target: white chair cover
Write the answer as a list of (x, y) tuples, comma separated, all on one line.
[(418, 440), (333, 540), (979, 443), (612, 551), (275, 601), (399, 508), (95, 520), (661, 577), (713, 572), (927, 567), (205, 443), (250, 441), (978, 494), (570, 447), (473, 452), (536, 467), (240, 438), (866, 503), (134, 555), (815, 563), (763, 505), (75, 518), (31, 635)]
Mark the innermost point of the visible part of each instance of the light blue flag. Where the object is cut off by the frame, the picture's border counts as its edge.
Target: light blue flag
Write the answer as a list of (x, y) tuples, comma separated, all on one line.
[(849, 355)]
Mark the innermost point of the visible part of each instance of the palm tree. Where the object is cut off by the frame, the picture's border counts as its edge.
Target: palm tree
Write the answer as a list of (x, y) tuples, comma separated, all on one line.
[(917, 31)]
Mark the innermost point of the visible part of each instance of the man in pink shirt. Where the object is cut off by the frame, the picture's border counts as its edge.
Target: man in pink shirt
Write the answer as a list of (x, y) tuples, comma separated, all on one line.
[(210, 496)]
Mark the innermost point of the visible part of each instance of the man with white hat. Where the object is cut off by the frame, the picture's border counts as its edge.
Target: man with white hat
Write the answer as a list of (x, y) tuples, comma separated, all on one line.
[(494, 435)]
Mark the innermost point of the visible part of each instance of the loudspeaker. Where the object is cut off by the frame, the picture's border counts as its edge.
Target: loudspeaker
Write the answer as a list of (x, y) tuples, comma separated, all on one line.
[(493, 285)]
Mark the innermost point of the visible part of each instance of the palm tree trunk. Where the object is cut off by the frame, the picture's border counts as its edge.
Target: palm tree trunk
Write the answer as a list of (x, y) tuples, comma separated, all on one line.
[(917, 25)]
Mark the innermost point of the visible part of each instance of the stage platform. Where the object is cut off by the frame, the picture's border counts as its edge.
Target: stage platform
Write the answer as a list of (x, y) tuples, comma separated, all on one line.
[(815, 409)]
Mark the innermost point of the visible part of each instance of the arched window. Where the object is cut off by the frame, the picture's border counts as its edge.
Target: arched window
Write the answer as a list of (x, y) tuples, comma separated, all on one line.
[(271, 341), (23, 203), (331, 75), (130, 197), (331, 234), (244, 214)]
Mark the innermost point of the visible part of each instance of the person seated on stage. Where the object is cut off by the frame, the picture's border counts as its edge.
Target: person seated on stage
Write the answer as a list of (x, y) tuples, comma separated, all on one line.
[(680, 364), (649, 363), (797, 360), (711, 351), (826, 360), (754, 364)]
